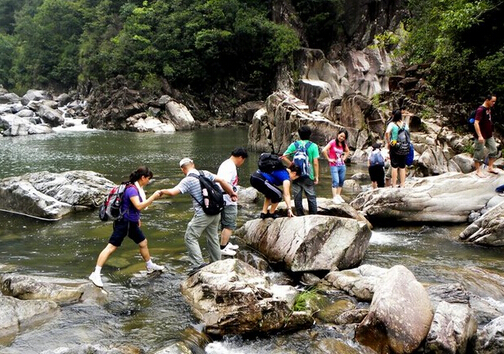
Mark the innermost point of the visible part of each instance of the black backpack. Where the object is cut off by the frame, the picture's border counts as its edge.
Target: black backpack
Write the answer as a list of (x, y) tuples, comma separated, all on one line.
[(270, 162), (111, 206), (402, 146), (213, 197)]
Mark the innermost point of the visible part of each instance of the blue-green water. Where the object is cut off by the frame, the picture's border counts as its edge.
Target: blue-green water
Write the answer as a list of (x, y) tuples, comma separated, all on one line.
[(68, 248)]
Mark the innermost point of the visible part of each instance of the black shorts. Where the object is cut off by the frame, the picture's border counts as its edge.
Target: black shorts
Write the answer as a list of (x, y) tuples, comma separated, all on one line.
[(123, 228), (397, 161), (377, 174), (269, 190)]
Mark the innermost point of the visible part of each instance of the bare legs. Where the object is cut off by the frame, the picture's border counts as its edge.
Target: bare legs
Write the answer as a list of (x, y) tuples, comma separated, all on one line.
[(402, 177), (110, 248)]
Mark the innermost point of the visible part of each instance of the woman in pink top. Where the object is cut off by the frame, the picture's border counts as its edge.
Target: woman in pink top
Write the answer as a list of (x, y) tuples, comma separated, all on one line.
[(336, 153)]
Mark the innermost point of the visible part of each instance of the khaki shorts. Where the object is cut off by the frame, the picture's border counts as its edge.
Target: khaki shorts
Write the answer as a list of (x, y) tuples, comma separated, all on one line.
[(479, 149), (228, 217)]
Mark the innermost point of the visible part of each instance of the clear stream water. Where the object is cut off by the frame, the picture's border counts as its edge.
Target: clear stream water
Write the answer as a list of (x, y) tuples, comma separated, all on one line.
[(157, 316)]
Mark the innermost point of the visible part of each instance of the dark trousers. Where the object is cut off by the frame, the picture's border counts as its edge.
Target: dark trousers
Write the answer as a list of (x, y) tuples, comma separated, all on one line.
[(307, 185)]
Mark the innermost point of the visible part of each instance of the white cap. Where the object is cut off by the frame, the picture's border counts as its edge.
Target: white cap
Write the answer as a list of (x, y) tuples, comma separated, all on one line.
[(185, 161)]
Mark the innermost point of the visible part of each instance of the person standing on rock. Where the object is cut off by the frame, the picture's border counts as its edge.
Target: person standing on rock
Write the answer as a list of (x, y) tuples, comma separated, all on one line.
[(376, 167), (134, 200), (228, 172), (201, 223), (267, 184), (397, 162), (483, 137), (336, 152), (309, 178)]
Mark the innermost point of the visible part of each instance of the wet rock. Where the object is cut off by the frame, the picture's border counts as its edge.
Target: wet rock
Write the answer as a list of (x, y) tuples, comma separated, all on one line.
[(16, 315)]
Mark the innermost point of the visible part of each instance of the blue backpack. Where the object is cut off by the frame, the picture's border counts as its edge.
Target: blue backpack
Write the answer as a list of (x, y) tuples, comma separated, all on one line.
[(376, 158), (301, 158)]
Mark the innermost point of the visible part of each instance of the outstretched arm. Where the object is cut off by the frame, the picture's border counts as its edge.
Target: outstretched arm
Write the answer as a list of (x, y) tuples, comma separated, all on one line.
[(135, 200), (171, 192)]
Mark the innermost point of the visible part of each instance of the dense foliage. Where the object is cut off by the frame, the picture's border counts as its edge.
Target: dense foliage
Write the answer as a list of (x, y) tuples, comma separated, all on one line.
[(206, 45), (462, 40), (191, 43)]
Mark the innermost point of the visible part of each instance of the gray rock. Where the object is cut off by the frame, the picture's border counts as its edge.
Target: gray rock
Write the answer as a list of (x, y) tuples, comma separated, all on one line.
[(52, 195), (448, 198), (309, 243), (453, 329), (399, 316), (231, 297)]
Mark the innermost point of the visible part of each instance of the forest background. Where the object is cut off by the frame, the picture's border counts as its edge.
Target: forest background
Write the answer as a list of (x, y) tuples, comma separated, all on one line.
[(203, 47)]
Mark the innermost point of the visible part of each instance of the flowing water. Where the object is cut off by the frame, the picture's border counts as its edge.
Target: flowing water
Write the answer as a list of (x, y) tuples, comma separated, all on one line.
[(156, 316)]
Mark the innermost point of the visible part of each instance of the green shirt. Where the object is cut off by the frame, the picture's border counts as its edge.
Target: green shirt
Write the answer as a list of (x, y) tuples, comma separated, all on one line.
[(313, 153)]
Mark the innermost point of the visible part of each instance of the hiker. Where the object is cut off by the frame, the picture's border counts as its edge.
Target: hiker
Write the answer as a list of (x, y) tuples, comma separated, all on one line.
[(305, 154), (228, 172), (267, 183), (134, 200), (397, 162), (483, 137), (376, 167), (336, 152), (201, 223)]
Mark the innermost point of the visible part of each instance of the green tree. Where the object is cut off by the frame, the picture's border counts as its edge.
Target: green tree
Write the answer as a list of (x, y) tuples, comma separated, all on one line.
[(6, 54), (461, 39), (48, 44)]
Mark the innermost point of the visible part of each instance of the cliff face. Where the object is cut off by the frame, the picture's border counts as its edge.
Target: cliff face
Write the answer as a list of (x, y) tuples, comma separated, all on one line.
[(363, 19)]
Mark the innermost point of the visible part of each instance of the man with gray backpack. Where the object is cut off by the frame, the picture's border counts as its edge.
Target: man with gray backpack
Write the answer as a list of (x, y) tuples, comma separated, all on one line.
[(305, 154)]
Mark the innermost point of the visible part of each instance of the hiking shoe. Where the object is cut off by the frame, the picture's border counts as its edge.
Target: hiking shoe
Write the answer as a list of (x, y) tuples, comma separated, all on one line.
[(233, 247), (264, 216), (154, 268), (273, 216), (196, 269), (227, 251), (96, 279)]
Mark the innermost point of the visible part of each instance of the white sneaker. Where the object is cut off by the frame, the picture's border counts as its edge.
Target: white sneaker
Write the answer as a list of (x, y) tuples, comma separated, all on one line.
[(154, 267), (233, 247), (341, 199), (227, 251), (96, 279), (336, 200)]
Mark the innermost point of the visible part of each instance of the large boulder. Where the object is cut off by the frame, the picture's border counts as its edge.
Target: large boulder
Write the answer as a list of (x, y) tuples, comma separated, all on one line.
[(51, 195), (232, 297), (309, 243), (447, 198), (400, 314), (486, 230)]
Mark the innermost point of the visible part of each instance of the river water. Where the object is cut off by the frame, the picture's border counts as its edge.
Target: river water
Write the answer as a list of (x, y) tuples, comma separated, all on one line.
[(156, 317)]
